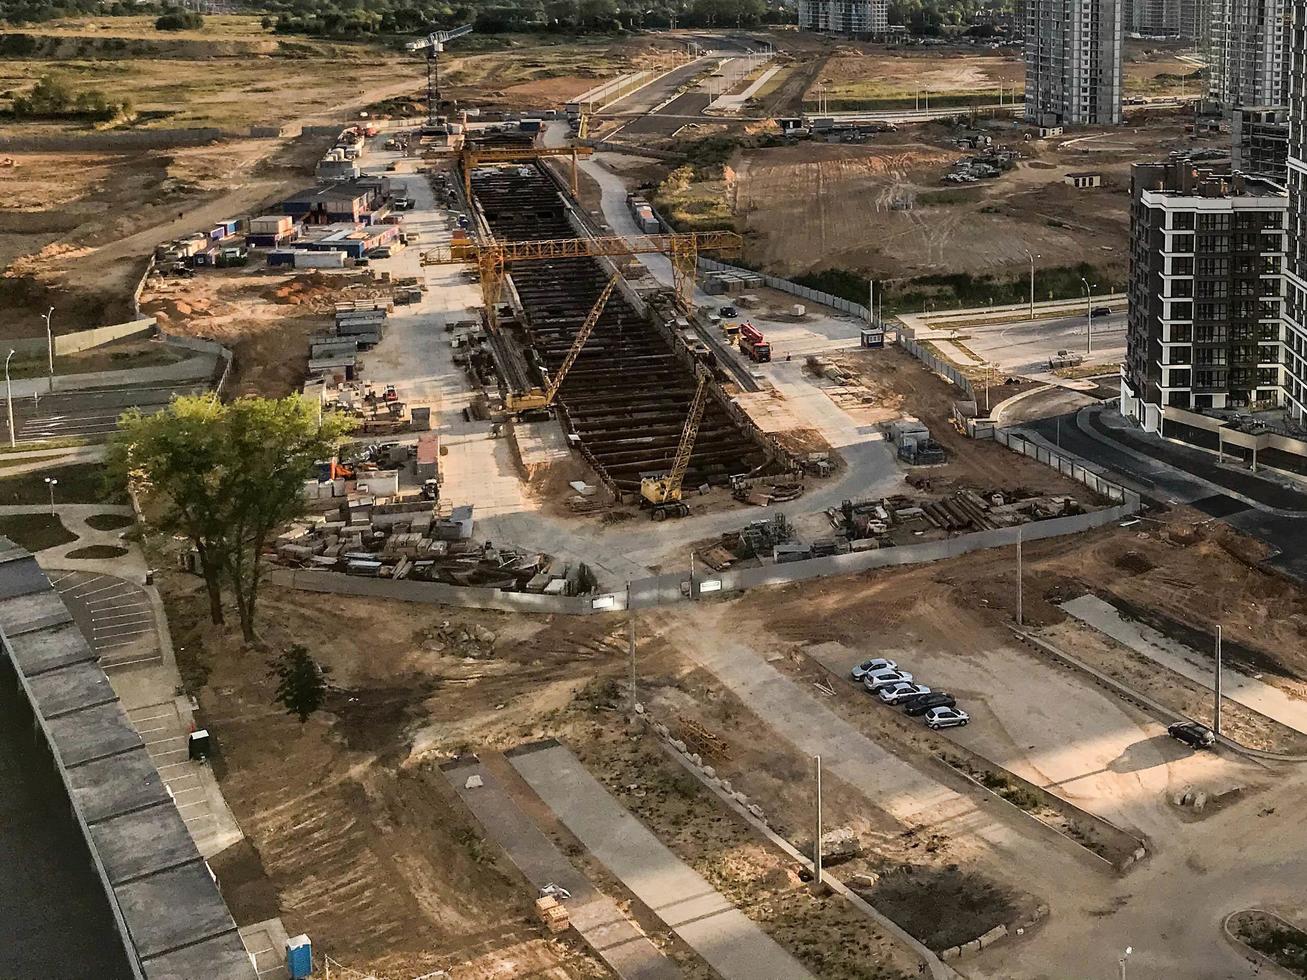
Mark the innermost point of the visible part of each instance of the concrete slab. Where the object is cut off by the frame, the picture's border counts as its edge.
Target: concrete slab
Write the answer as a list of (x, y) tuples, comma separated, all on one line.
[(71, 688), (143, 842), (117, 785), (222, 956), (23, 614), (266, 943), (728, 941), (541, 443), (95, 733), (594, 915), (22, 576), (37, 651), (175, 908), (1257, 695)]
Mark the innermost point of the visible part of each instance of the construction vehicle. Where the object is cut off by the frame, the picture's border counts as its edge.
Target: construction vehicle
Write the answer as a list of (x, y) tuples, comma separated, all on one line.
[(536, 400), (430, 489), (753, 344), (661, 495)]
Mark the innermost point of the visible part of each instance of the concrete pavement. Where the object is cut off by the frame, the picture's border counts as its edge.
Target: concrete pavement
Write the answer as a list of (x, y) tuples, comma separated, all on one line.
[(616, 939), (728, 941)]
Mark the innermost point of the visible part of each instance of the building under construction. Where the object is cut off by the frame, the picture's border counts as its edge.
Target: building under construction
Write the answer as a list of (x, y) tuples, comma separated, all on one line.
[(627, 395)]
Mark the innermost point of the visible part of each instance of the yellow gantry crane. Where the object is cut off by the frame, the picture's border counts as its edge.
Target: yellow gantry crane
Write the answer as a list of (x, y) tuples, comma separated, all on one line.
[(470, 158), (491, 258), (662, 494), (537, 400)]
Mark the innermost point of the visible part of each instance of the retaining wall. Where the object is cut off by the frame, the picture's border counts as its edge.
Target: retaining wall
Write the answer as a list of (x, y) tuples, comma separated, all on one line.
[(72, 343)]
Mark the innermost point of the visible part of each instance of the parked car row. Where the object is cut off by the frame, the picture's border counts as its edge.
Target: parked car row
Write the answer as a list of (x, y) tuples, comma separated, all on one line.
[(895, 686)]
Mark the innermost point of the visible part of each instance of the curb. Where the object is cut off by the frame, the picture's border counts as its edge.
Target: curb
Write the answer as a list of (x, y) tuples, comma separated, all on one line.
[(1261, 960)]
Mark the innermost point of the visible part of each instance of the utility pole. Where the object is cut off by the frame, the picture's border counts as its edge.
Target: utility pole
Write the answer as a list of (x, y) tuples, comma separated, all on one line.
[(871, 300), (1032, 257), (691, 573), (816, 841), (1089, 314), (1020, 583), (9, 400), (49, 341), (630, 641), (1216, 709)]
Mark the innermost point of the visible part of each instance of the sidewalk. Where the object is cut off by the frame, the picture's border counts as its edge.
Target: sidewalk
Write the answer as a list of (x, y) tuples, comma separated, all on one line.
[(594, 915), (728, 941)]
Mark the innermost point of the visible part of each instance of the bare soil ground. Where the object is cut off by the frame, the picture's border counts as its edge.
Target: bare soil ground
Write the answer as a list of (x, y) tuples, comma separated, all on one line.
[(263, 316), (870, 73), (880, 208)]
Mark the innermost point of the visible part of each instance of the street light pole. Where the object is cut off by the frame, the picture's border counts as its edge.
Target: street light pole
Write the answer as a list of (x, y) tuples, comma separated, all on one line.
[(816, 841), (51, 482), (1032, 257), (1124, 956), (1020, 583), (1089, 314), (1216, 709), (630, 641), (49, 343), (9, 401)]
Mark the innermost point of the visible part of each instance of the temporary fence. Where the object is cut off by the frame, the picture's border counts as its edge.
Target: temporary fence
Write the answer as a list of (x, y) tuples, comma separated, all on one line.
[(937, 364), (793, 288), (1067, 466)]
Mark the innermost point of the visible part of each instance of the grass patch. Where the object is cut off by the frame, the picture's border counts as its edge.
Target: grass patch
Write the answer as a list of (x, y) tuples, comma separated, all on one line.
[(110, 522), (960, 290), (98, 551), (65, 442), (35, 532), (935, 199), (84, 483)]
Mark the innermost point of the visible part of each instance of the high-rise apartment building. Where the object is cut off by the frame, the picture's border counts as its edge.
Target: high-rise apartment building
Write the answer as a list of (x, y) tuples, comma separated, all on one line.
[(1073, 62), (1295, 305), (1248, 57), (869, 17), (1205, 326), (1259, 142)]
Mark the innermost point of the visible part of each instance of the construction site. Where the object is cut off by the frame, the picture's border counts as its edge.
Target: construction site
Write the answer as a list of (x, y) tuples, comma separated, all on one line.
[(676, 618)]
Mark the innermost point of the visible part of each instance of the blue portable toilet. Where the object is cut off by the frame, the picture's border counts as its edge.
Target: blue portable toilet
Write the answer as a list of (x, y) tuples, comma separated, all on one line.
[(299, 957)]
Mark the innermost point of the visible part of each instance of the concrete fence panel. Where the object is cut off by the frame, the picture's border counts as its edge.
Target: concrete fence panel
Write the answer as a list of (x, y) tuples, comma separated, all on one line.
[(73, 343)]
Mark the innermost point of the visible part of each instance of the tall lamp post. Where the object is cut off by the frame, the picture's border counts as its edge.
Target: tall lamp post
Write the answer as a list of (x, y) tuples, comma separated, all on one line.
[(51, 482), (1089, 313), (49, 344), (1032, 256), (9, 401), (1124, 957)]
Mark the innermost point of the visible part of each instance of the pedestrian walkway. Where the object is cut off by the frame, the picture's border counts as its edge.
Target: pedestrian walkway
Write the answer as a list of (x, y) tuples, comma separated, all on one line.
[(115, 616), (594, 915), (731, 943), (1256, 695)]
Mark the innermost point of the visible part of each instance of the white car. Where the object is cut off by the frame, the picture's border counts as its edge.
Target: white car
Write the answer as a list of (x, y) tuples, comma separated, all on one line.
[(872, 665), (946, 717), (901, 692), (874, 680)]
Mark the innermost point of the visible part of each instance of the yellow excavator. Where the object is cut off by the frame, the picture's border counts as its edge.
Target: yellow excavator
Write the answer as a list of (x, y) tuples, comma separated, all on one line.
[(537, 400), (661, 495)]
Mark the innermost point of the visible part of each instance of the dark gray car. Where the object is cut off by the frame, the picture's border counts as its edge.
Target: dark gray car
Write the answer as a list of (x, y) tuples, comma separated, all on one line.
[(924, 702)]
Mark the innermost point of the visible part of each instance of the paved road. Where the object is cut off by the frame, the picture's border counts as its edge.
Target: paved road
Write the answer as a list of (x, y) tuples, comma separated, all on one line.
[(91, 413), (1024, 346), (594, 915), (655, 93), (728, 941)]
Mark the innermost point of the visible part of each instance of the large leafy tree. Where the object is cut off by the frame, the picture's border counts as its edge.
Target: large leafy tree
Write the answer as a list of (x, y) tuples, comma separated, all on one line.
[(226, 477)]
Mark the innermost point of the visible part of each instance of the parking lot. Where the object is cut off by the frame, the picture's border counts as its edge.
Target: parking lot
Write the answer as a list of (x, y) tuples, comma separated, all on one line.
[(115, 615), (93, 413), (1043, 723)]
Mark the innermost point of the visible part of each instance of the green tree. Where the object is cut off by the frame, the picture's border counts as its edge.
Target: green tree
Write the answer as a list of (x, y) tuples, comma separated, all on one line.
[(301, 682), (176, 19), (226, 476)]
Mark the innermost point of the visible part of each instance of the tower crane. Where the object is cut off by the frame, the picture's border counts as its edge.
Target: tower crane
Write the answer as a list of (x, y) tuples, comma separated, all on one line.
[(433, 45), (537, 400), (662, 494)]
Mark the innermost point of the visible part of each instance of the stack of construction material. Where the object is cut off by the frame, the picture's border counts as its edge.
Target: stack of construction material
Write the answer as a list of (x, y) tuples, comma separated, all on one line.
[(552, 914)]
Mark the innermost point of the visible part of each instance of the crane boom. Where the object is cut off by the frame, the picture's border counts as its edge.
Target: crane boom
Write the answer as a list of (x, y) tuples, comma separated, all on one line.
[(689, 433), (582, 336), (535, 400)]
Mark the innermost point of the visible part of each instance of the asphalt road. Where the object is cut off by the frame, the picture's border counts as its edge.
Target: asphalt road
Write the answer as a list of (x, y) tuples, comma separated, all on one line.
[(93, 412), (1024, 346), (642, 100)]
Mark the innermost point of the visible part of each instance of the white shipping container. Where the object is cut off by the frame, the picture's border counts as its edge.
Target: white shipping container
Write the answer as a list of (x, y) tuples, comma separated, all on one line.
[(319, 260), (271, 224)]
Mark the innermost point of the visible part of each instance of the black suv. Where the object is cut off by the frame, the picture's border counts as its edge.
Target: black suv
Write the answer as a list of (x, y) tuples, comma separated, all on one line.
[(922, 703), (1192, 734)]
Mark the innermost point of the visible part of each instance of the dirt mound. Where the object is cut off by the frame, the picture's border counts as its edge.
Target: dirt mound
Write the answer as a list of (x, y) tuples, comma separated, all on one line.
[(314, 290)]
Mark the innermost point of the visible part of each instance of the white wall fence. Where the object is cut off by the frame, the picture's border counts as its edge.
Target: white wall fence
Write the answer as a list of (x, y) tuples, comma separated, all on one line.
[(786, 286), (1113, 492), (73, 343)]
